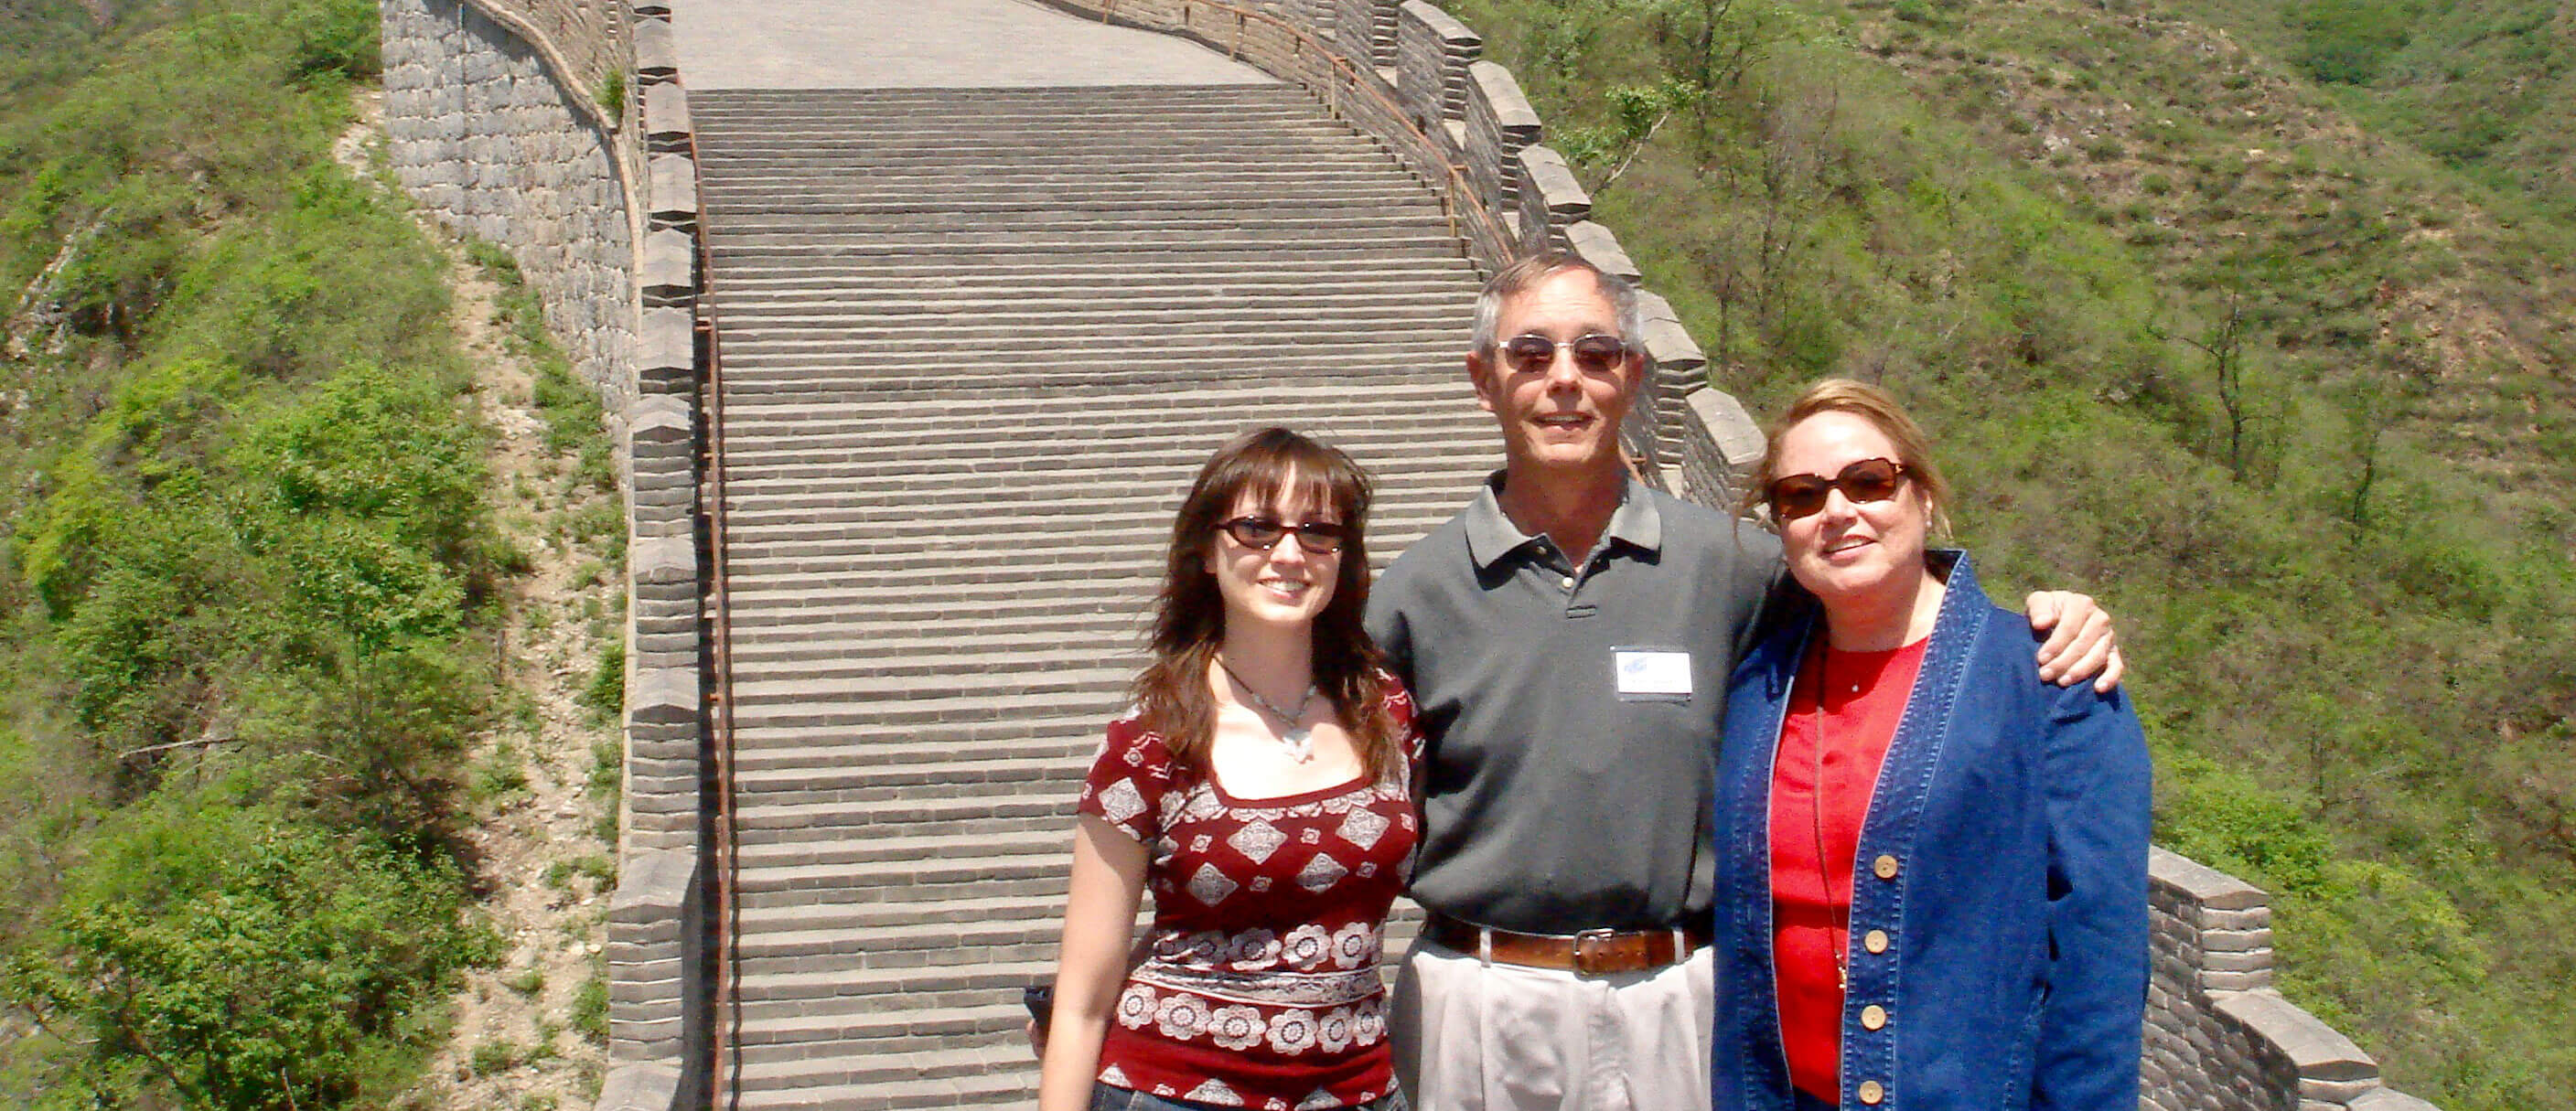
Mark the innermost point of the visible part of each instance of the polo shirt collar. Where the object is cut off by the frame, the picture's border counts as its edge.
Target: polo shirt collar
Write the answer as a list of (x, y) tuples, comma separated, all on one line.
[(1491, 536)]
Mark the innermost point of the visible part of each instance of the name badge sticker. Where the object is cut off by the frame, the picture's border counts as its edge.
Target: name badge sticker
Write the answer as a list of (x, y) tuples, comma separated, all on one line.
[(1652, 674)]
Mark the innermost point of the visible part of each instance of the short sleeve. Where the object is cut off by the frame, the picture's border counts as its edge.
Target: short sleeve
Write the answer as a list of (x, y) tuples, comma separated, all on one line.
[(1408, 736), (1128, 780)]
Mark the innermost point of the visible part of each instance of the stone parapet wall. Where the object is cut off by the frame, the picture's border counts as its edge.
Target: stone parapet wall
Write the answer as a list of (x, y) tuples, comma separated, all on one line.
[(550, 128), (2219, 1038), (489, 145), (591, 36)]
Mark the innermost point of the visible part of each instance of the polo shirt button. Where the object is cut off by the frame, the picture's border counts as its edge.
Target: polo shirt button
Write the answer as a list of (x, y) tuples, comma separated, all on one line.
[(1885, 866), (1873, 1017), (1566, 582), (1875, 941), (1872, 1092)]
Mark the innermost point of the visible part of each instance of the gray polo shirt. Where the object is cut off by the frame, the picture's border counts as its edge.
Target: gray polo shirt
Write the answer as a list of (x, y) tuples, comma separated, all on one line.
[(1572, 713)]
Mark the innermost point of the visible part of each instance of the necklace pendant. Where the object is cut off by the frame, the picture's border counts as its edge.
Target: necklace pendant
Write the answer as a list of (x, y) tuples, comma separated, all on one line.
[(1301, 743)]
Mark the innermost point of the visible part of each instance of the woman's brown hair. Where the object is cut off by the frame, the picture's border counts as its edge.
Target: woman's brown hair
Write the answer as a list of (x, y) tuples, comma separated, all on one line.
[(1173, 696)]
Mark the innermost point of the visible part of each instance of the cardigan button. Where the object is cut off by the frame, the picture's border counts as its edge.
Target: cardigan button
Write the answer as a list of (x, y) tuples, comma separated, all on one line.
[(1885, 866), (1875, 941), (1873, 1017), (1872, 1093)]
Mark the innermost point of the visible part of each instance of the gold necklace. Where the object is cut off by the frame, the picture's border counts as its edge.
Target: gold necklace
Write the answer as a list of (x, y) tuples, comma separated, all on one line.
[(1824, 876)]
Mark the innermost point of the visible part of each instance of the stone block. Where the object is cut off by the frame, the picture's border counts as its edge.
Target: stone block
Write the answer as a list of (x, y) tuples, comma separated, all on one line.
[(666, 117), (663, 696), (670, 267), (662, 420), (1739, 439), (2251, 961), (656, 58), (2236, 941), (675, 190), (2314, 1050), (653, 890), (1559, 195), (666, 349), (666, 561), (2389, 1099), (1599, 247), (1513, 116), (640, 1087), (2205, 886)]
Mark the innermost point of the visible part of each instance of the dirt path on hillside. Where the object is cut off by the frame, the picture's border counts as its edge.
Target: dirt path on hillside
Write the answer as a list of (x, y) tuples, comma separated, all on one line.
[(530, 1032)]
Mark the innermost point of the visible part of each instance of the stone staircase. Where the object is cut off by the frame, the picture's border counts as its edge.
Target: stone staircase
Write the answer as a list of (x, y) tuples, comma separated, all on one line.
[(974, 344)]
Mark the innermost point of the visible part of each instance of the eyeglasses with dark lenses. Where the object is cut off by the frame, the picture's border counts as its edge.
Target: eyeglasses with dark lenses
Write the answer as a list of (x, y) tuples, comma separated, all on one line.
[(1317, 537), (1870, 480), (1594, 353)]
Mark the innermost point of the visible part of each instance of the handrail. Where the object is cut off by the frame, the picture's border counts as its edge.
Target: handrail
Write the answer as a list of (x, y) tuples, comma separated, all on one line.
[(1457, 193), (723, 1090)]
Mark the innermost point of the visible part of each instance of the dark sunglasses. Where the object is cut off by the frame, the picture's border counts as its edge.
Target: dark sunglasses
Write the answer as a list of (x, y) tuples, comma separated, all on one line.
[(1317, 537), (1594, 353), (1869, 480)]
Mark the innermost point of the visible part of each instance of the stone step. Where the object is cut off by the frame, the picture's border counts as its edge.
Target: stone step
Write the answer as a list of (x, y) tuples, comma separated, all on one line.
[(1065, 735), (874, 1072), (1435, 285), (1083, 291), (1107, 273), (748, 190), (826, 196), (1239, 257), (1037, 144), (1377, 447), (1169, 330), (758, 379), (1040, 812), (1141, 244), (748, 230), (898, 716), (872, 988)]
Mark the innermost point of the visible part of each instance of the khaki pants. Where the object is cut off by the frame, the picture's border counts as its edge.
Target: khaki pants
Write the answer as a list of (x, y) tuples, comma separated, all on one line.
[(1470, 1036)]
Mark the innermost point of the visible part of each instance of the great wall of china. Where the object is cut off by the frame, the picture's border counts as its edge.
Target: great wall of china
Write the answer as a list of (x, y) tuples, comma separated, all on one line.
[(563, 131)]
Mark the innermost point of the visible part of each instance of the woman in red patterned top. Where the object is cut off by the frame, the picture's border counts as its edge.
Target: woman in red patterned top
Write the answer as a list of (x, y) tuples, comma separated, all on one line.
[(1261, 787)]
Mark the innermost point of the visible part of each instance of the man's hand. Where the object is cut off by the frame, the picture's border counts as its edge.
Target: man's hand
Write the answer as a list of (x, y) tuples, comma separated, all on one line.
[(2079, 645), (1037, 1039)]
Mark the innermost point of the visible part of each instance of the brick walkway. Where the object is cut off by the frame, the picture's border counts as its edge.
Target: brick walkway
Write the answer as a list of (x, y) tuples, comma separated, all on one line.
[(912, 44)]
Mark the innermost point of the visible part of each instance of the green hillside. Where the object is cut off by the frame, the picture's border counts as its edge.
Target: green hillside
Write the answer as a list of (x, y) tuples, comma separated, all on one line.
[(249, 571), (2284, 384)]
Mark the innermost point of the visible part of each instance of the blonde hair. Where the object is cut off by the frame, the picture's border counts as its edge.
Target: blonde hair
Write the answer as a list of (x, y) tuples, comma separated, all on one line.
[(1869, 403)]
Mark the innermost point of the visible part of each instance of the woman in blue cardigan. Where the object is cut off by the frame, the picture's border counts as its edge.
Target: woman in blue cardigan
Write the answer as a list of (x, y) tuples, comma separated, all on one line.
[(1931, 864)]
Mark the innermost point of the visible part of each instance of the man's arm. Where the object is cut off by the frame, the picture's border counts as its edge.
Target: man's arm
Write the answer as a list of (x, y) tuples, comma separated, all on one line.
[(2080, 645)]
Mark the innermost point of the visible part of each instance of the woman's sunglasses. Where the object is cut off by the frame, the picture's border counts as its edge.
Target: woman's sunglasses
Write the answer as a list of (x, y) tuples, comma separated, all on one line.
[(1594, 353), (1262, 533), (1870, 480)]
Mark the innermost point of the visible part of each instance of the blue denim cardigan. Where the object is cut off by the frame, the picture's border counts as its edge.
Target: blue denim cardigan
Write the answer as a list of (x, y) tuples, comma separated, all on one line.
[(2015, 815)]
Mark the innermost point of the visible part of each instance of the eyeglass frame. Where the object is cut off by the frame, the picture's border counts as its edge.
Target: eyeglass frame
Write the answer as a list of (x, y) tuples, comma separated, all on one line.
[(1841, 481), (1622, 349), (1308, 534)]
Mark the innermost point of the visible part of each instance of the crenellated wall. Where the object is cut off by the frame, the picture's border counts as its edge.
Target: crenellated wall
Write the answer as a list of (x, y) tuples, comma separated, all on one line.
[(501, 128), (552, 129)]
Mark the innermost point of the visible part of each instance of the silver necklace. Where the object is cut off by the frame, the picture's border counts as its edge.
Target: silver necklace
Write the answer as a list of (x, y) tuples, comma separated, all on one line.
[(1299, 737)]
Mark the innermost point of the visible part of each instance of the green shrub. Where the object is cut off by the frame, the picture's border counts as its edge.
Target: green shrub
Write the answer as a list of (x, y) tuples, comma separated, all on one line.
[(234, 956)]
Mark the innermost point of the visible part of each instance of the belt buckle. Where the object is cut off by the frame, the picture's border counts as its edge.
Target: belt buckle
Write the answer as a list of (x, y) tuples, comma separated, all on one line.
[(1590, 945)]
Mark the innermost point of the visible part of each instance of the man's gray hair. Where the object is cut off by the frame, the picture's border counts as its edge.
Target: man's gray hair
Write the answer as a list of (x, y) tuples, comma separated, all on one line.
[(1530, 271)]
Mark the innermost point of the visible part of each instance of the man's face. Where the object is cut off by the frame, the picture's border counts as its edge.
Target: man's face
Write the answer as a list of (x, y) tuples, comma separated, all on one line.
[(1557, 414)]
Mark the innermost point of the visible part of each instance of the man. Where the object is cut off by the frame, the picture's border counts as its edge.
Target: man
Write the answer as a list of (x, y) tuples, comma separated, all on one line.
[(1568, 638)]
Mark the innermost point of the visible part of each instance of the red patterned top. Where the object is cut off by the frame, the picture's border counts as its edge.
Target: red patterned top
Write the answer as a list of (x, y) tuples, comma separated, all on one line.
[(1260, 988)]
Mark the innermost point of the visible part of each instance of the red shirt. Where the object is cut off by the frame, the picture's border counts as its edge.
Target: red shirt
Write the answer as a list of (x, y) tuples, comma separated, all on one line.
[(1261, 986), (1864, 695)]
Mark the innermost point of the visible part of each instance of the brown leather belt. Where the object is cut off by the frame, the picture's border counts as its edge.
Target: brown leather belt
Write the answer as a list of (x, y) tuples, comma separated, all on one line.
[(1589, 953)]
